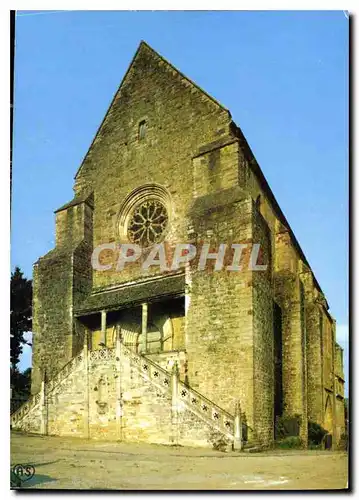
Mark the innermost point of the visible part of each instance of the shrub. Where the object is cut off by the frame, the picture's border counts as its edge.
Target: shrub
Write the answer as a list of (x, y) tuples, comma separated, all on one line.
[(316, 433), (290, 442), (219, 441), (287, 426), (344, 440)]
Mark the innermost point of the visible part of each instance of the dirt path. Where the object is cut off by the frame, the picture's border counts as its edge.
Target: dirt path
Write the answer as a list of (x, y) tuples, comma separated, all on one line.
[(70, 463)]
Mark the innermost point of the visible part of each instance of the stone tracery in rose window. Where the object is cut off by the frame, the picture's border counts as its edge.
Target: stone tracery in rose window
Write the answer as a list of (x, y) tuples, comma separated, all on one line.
[(147, 223)]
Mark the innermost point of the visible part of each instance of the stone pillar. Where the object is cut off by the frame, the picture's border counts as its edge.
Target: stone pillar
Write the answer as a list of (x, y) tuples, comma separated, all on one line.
[(314, 363), (119, 402), (103, 329), (144, 324), (238, 441), (293, 350), (335, 437), (86, 417), (43, 406), (174, 407)]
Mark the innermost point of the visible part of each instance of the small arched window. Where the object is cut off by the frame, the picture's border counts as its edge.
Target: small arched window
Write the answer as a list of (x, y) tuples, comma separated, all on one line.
[(142, 130)]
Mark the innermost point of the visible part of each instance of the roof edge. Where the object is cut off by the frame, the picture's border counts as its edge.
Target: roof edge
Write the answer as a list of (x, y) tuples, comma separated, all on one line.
[(108, 109), (88, 199), (263, 181), (213, 99)]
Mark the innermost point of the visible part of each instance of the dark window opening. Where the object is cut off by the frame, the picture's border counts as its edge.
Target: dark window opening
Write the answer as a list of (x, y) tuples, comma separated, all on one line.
[(258, 202), (142, 130)]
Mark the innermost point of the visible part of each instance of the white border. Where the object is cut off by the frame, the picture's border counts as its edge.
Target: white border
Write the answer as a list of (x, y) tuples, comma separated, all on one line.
[(4, 170)]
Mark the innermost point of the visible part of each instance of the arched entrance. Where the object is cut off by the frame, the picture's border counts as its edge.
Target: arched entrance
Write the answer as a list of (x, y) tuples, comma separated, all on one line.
[(328, 416), (328, 422)]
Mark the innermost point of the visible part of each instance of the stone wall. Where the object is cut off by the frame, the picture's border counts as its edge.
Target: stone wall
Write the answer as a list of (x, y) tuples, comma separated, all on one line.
[(66, 404), (61, 279), (315, 364), (52, 318), (339, 391), (219, 319), (340, 419), (263, 337), (287, 286)]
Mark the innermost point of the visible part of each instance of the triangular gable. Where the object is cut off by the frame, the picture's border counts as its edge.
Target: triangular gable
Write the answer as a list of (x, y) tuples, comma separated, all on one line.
[(145, 47)]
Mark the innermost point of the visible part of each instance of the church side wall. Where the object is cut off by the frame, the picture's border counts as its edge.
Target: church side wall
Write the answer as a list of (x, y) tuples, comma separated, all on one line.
[(287, 294), (263, 334), (315, 364), (319, 370)]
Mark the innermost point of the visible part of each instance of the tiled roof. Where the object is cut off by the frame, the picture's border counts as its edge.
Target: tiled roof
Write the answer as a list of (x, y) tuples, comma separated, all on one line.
[(133, 294)]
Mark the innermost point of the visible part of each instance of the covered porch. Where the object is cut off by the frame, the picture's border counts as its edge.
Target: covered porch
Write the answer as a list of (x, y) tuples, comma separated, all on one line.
[(148, 316)]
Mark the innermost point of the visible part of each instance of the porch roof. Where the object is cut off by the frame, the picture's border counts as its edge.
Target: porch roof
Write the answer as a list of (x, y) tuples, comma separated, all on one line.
[(133, 294)]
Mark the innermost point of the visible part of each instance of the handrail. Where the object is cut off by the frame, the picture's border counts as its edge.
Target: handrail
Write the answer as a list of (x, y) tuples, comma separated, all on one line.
[(137, 356), (158, 375), (64, 372), (150, 361), (194, 400), (209, 401), (34, 400), (206, 409)]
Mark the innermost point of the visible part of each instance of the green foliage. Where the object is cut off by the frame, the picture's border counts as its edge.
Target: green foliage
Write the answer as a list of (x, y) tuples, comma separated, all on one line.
[(344, 441), (316, 433), (21, 383), (219, 441), (290, 442), (20, 313)]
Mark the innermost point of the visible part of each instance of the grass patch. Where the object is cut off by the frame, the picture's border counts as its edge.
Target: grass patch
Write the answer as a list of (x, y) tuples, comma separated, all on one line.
[(290, 443)]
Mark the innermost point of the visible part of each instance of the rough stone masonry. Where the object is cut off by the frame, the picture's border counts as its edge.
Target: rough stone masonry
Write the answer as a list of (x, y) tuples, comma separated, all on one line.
[(177, 356)]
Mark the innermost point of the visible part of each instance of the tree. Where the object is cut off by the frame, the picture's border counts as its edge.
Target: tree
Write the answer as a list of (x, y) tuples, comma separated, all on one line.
[(21, 383), (20, 314)]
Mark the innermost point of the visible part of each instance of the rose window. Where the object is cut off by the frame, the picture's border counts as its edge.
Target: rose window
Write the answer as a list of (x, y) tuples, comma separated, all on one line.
[(147, 223)]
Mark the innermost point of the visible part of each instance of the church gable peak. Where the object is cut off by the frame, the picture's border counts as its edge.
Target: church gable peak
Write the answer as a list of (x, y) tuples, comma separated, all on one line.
[(176, 72), (145, 59)]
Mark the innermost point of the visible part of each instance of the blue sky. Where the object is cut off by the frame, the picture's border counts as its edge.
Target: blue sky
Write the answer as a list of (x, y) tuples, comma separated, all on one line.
[(283, 75)]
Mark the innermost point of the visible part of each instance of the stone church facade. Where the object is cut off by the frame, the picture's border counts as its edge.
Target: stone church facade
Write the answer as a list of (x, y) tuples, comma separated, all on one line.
[(177, 354)]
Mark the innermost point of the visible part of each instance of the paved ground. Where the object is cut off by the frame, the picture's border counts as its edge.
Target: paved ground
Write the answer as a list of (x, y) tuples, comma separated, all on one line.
[(70, 463)]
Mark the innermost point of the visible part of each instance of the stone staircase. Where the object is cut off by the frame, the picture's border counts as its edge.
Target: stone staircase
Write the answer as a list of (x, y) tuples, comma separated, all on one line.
[(168, 383), (35, 400), (212, 414)]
